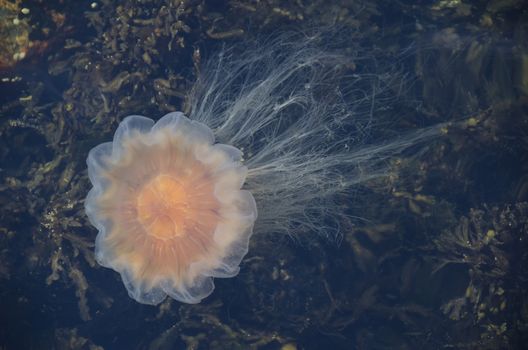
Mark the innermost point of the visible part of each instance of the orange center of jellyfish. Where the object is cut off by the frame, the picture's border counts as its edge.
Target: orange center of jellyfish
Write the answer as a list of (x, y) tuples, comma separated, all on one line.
[(162, 206)]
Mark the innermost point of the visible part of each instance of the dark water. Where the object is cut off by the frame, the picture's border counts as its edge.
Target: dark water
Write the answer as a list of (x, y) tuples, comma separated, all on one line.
[(433, 255)]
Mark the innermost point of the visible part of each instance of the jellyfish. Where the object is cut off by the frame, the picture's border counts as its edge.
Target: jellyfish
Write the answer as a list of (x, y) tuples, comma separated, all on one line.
[(281, 128)]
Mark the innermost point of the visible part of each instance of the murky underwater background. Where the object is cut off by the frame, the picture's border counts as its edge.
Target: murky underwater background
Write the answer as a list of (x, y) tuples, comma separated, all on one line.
[(434, 255)]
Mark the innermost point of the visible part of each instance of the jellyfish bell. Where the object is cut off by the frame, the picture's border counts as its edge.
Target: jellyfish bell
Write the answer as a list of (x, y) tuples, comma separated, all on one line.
[(168, 205)]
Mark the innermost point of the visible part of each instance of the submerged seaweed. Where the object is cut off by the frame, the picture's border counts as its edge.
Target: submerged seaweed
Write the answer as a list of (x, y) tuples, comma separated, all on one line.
[(491, 245), (431, 256)]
